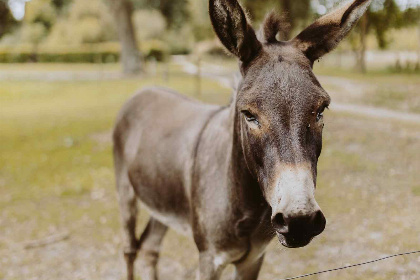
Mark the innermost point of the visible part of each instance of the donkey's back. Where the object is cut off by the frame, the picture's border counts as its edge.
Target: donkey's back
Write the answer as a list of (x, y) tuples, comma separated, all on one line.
[(154, 141)]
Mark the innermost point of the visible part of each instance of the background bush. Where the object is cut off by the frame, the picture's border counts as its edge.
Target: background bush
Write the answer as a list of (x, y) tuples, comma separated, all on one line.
[(86, 53)]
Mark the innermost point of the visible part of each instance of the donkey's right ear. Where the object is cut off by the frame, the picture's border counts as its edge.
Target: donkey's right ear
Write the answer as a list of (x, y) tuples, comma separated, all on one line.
[(325, 33), (231, 26)]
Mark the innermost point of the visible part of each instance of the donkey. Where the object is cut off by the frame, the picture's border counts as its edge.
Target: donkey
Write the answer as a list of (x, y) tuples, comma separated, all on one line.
[(232, 177)]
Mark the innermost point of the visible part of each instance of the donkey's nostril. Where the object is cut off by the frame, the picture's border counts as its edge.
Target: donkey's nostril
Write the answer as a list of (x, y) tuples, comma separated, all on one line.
[(319, 222), (279, 223)]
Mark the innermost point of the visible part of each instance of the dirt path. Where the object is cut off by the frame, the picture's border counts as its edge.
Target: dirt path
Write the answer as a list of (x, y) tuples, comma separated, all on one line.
[(342, 85)]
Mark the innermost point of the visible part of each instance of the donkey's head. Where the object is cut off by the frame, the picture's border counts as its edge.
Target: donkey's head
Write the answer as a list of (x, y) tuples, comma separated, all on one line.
[(279, 109)]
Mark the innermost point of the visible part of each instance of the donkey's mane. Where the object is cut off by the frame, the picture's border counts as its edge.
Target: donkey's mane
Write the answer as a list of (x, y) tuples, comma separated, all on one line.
[(273, 24)]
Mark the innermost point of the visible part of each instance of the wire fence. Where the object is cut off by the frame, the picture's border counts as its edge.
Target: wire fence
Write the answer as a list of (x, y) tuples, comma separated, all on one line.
[(352, 265)]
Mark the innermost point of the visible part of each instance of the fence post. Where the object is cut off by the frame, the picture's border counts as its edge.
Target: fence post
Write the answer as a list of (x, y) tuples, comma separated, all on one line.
[(166, 72), (153, 66)]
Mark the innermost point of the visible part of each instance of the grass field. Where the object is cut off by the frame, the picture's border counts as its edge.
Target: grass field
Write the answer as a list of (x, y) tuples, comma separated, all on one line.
[(56, 176), (380, 88)]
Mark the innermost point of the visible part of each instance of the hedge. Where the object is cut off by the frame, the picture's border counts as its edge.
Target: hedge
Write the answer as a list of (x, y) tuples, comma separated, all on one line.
[(94, 53)]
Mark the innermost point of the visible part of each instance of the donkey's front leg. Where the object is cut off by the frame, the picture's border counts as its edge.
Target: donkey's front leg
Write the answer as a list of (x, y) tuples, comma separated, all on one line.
[(210, 266)]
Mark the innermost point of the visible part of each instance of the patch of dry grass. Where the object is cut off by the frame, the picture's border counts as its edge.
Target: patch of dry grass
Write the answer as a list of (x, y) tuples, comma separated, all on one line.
[(56, 175)]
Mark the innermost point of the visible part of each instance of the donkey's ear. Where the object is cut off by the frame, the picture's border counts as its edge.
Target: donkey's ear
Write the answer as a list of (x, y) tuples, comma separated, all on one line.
[(231, 26), (325, 33)]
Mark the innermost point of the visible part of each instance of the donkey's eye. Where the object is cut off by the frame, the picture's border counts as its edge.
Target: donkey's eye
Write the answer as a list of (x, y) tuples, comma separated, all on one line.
[(320, 113), (319, 116), (250, 117)]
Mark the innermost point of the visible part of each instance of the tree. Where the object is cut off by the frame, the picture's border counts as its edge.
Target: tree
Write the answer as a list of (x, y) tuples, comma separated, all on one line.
[(130, 55), (382, 16), (258, 9), (82, 22), (175, 11), (296, 11), (361, 55), (40, 12), (384, 19), (60, 4), (6, 19), (380, 19)]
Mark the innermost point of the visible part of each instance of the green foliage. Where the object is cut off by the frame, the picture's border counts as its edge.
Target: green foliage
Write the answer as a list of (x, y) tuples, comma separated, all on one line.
[(180, 41), (52, 23), (39, 18), (40, 11), (200, 22), (61, 4), (410, 17), (383, 19), (176, 12), (298, 11), (155, 50), (86, 22), (33, 33), (7, 22), (258, 11), (180, 24), (149, 24), (86, 53)]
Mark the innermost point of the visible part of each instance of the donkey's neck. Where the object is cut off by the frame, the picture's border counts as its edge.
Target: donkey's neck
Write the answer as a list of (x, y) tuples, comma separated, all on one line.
[(220, 172)]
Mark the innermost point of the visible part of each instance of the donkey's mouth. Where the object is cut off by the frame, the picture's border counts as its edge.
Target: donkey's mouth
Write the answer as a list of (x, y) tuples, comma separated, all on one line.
[(293, 242)]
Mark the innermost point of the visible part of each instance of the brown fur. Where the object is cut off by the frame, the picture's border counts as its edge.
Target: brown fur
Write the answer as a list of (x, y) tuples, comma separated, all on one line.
[(272, 25), (231, 177), (325, 33)]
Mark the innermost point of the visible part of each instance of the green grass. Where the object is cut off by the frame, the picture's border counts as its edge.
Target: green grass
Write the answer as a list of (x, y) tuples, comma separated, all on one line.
[(56, 174), (384, 89), (416, 190), (395, 98), (48, 149), (375, 76), (44, 67)]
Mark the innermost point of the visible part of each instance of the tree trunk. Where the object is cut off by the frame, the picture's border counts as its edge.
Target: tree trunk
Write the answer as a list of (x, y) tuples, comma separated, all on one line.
[(417, 67), (130, 55), (362, 50)]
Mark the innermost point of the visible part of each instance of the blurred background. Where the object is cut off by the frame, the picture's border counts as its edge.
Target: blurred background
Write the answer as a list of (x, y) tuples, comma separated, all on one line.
[(67, 66)]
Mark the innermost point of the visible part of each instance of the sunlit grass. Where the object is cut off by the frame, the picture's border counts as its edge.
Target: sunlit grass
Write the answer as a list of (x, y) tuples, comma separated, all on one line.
[(383, 89), (44, 67), (49, 149)]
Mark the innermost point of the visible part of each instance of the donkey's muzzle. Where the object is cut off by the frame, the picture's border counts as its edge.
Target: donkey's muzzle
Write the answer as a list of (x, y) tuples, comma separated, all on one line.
[(298, 230)]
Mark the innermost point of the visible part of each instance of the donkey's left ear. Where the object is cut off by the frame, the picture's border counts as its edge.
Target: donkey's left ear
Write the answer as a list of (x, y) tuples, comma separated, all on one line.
[(233, 29), (325, 33)]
